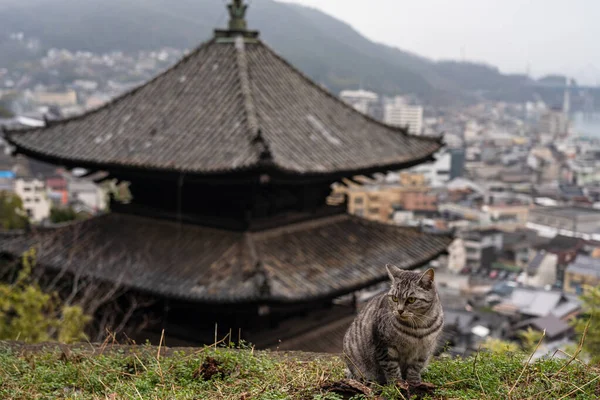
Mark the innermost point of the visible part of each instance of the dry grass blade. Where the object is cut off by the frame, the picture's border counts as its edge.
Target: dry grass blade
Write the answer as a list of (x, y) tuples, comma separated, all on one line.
[(162, 337), (476, 374), (527, 363), (579, 348), (583, 364), (160, 371), (347, 357), (579, 388)]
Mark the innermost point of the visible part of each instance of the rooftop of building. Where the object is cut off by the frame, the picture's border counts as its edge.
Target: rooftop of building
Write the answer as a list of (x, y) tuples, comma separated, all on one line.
[(567, 211), (560, 243), (478, 234), (552, 325), (585, 265), (537, 303), (522, 238)]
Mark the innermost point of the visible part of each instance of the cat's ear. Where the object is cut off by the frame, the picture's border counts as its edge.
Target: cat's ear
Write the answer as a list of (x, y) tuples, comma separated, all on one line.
[(426, 280), (393, 271)]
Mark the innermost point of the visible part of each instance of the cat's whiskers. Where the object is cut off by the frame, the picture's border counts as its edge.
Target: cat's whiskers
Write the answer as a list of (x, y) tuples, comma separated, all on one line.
[(420, 319)]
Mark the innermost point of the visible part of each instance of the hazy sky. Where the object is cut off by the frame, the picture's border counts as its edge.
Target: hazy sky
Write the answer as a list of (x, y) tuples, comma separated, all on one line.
[(546, 35)]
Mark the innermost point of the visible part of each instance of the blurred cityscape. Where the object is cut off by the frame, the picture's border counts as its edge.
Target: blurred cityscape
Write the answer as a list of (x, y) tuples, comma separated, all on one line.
[(517, 185)]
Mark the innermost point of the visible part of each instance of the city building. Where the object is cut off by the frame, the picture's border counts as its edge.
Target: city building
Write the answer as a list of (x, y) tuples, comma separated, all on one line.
[(380, 202), (61, 99), (399, 113), (86, 195), (517, 246), (546, 162), (554, 328), (541, 271), (33, 194), (578, 222), (457, 162), (457, 256), (516, 215), (565, 249), (230, 155), (584, 273), (364, 101), (57, 189), (482, 248), (534, 303), (438, 172), (554, 122)]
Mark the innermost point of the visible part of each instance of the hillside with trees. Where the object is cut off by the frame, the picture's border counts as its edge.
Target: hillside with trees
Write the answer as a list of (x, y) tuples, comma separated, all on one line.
[(328, 50)]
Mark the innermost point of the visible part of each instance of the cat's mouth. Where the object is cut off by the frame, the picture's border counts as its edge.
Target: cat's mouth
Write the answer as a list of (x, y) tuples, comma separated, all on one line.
[(403, 316)]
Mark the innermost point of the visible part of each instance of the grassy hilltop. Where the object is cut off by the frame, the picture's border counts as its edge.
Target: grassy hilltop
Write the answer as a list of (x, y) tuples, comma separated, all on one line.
[(146, 372)]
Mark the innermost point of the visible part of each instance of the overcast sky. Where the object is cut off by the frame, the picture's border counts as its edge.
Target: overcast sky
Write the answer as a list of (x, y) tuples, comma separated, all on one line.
[(547, 35)]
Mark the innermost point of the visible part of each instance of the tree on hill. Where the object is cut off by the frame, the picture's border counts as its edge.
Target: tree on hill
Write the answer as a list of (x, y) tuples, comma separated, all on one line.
[(343, 58), (12, 214), (30, 314), (530, 339), (67, 305), (65, 214)]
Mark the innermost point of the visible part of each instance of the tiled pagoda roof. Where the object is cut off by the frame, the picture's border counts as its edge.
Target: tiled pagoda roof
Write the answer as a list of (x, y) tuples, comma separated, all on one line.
[(231, 105), (324, 258)]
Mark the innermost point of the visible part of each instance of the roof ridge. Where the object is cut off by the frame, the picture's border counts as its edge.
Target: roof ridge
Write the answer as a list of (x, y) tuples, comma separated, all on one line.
[(398, 129), (299, 226), (260, 275), (257, 140)]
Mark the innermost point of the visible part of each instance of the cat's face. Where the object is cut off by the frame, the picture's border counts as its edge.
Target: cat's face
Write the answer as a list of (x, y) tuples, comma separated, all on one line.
[(412, 294)]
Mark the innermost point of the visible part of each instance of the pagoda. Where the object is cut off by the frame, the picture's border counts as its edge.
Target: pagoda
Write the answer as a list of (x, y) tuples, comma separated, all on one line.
[(230, 155)]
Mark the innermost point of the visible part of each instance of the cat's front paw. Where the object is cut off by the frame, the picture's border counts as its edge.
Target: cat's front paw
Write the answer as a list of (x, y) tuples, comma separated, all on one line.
[(422, 386), (402, 384)]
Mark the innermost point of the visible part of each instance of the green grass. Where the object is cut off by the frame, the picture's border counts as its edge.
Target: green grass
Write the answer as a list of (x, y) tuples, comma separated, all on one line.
[(137, 373)]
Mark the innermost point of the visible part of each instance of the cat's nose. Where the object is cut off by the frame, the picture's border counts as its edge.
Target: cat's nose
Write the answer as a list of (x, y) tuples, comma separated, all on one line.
[(400, 311)]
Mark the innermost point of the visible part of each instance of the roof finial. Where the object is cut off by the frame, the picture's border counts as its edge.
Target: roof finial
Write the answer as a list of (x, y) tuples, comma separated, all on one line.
[(237, 16), (237, 24)]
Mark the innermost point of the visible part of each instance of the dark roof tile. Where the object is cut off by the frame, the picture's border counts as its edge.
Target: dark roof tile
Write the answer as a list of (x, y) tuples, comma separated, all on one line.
[(205, 114), (318, 259)]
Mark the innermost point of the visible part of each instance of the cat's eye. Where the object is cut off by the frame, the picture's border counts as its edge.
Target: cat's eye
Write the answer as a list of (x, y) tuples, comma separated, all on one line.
[(394, 299), (411, 300)]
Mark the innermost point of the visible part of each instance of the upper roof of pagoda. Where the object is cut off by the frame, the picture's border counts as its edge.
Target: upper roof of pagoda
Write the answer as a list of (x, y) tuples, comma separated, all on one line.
[(231, 105)]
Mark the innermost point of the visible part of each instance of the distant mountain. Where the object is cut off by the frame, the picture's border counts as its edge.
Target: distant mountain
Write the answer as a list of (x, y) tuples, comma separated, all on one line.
[(328, 50)]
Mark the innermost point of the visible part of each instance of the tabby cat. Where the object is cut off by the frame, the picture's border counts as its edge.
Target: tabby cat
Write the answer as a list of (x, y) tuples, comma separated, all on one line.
[(396, 333)]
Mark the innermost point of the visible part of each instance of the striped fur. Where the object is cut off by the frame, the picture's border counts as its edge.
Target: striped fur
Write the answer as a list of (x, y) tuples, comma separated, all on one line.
[(396, 333)]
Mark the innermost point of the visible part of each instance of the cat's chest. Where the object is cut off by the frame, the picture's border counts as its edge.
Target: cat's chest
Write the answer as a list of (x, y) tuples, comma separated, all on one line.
[(407, 347), (405, 351)]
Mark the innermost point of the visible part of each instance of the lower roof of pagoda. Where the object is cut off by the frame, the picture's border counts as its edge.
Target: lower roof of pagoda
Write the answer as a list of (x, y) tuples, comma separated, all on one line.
[(301, 262)]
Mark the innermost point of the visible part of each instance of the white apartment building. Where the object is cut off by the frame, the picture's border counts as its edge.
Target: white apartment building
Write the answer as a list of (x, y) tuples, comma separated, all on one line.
[(399, 113), (554, 123), (457, 256), (33, 194), (361, 100), (437, 173), (86, 195)]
